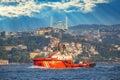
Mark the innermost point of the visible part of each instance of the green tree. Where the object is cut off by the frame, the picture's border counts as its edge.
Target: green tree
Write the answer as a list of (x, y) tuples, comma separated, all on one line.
[(3, 53)]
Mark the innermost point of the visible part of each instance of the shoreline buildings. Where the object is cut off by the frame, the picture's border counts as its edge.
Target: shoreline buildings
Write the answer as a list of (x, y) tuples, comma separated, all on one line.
[(4, 62)]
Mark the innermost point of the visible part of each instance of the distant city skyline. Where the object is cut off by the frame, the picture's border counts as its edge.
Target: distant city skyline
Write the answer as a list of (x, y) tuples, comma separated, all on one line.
[(18, 15)]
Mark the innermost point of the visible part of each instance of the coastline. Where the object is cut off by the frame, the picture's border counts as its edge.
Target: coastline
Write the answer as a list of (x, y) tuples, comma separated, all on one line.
[(99, 62), (95, 62)]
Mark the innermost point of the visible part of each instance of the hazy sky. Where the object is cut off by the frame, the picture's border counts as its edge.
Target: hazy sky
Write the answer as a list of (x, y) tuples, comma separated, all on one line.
[(17, 15)]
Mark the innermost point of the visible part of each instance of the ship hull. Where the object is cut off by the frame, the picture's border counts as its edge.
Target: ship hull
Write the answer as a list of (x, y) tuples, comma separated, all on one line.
[(60, 64)]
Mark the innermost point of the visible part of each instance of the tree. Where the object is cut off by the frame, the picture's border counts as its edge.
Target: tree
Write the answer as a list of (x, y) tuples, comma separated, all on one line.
[(20, 56), (3, 53)]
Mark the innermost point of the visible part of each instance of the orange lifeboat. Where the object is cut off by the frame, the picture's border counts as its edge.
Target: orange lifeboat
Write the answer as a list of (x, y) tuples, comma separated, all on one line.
[(60, 64)]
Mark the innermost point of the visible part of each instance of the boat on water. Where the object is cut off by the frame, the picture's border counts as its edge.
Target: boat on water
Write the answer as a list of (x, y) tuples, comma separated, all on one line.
[(55, 63)]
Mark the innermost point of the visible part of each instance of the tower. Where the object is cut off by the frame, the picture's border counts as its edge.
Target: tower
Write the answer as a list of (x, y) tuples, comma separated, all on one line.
[(51, 21), (66, 26), (98, 33)]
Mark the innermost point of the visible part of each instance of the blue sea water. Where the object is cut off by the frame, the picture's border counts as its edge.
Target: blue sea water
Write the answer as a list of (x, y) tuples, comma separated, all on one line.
[(30, 72)]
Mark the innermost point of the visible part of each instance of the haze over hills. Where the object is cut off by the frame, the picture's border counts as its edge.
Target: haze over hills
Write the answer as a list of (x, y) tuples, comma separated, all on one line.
[(94, 26), (34, 27)]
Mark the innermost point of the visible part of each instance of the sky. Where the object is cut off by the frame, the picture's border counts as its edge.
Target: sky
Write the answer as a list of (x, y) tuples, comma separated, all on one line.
[(24, 15)]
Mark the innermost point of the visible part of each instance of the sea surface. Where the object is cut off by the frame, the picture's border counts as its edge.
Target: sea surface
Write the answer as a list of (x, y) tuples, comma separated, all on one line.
[(30, 72)]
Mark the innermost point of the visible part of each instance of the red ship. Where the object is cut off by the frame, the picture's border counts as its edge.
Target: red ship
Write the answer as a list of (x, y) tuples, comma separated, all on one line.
[(60, 64)]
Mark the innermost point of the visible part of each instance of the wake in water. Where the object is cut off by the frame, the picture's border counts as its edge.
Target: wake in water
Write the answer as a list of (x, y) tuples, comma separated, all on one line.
[(40, 67), (104, 66), (99, 65)]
